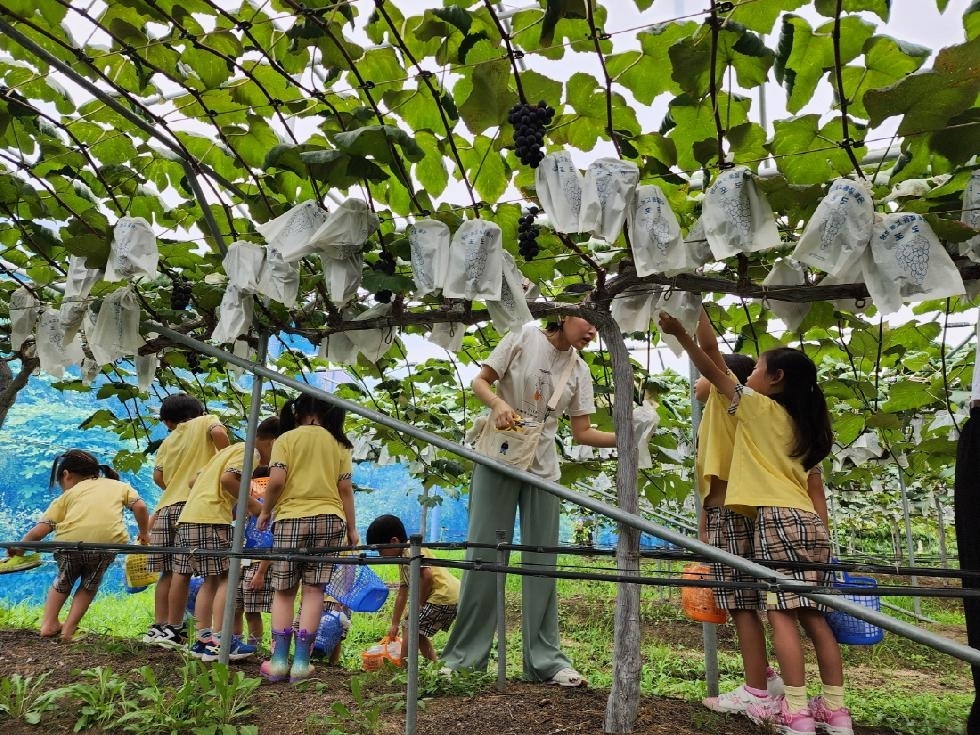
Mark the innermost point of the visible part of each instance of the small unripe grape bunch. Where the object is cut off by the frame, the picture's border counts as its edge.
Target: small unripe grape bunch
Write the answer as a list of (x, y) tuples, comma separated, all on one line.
[(384, 264), (527, 235), (529, 123)]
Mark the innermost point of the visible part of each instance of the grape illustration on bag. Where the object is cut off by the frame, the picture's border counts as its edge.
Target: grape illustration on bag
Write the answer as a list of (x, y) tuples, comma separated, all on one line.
[(737, 218), (428, 240), (908, 263), (970, 216), (838, 233), (559, 186), (655, 234), (289, 235), (607, 192), (475, 262)]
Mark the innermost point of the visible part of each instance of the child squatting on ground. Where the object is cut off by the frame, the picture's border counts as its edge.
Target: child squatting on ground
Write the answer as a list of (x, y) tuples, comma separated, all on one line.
[(728, 530), (438, 593), (783, 432), (194, 438), (312, 497), (89, 509)]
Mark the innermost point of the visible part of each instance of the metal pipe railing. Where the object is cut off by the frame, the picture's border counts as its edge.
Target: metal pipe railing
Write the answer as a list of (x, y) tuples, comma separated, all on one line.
[(912, 632)]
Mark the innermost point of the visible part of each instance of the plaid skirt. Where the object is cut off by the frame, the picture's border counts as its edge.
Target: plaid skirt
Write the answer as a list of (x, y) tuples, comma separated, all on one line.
[(793, 535), (164, 533), (310, 532), (734, 533)]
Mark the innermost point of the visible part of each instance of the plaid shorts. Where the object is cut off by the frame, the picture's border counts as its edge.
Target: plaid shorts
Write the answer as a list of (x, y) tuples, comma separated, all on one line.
[(209, 536), (433, 618), (89, 566), (734, 533), (310, 532), (164, 533), (793, 535), (253, 601)]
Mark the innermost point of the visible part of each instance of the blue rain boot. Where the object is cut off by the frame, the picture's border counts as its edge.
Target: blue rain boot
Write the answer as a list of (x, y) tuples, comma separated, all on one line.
[(277, 668), (301, 658)]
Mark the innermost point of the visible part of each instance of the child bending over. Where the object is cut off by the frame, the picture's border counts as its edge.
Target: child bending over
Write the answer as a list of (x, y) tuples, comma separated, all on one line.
[(89, 509), (438, 588)]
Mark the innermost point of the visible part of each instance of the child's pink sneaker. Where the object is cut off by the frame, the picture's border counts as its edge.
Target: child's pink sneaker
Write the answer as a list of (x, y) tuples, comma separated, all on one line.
[(781, 719), (831, 721), (736, 701)]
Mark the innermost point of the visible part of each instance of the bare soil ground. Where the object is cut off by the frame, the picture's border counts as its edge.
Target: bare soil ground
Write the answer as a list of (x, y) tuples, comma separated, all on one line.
[(283, 709)]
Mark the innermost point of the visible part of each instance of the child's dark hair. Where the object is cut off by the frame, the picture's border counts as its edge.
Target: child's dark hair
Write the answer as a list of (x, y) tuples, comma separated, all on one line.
[(330, 417), (79, 463), (384, 528), (803, 399), (180, 407), (269, 428), (261, 471), (740, 365)]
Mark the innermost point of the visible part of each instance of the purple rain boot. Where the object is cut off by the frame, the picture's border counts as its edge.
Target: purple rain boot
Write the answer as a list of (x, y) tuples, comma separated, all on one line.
[(277, 667), (301, 658)]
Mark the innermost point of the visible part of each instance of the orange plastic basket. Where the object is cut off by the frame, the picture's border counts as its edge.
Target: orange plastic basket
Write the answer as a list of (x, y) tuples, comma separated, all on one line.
[(258, 487), (699, 602), (374, 658)]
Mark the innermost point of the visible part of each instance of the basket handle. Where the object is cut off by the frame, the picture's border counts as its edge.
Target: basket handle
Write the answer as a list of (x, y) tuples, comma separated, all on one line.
[(844, 576)]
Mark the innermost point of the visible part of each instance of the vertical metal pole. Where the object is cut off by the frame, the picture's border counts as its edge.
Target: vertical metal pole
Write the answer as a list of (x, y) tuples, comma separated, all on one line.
[(412, 631), (501, 613), (941, 527), (909, 545), (709, 631), (241, 509)]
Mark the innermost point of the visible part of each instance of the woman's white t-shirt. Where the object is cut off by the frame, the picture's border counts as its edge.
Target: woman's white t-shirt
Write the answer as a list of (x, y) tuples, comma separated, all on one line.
[(528, 366)]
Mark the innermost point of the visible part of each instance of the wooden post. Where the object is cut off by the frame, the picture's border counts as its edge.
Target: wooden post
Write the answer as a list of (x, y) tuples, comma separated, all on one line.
[(624, 696)]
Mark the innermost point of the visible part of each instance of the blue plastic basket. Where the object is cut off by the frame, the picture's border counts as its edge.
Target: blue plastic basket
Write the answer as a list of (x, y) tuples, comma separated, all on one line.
[(192, 589), (849, 630), (329, 633), (254, 538), (358, 587)]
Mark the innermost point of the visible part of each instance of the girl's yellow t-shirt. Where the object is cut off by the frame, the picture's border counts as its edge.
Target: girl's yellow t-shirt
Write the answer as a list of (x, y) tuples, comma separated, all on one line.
[(208, 501), (716, 440), (315, 462), (182, 455), (763, 473), (92, 510)]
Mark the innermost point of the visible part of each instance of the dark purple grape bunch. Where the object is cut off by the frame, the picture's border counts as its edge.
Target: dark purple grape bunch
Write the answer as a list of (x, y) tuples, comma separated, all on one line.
[(529, 123), (194, 362), (527, 234), (180, 295), (384, 264)]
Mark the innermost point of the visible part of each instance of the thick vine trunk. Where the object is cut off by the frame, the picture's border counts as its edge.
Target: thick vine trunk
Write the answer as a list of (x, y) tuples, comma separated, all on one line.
[(624, 697), (11, 385)]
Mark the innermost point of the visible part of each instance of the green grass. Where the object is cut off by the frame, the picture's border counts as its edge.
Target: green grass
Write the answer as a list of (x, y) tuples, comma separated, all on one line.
[(896, 684)]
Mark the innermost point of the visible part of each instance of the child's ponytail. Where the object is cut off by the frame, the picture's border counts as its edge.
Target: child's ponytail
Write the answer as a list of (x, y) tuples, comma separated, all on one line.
[(288, 420), (107, 471), (804, 401)]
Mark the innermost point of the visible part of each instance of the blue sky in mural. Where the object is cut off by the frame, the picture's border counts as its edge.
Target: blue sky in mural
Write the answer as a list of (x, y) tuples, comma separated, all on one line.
[(44, 422)]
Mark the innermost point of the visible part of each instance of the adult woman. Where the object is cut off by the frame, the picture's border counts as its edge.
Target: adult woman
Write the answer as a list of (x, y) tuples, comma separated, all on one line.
[(526, 367)]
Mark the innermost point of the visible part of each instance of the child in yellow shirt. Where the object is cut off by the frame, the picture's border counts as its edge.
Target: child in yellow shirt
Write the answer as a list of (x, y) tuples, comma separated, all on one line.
[(439, 593)]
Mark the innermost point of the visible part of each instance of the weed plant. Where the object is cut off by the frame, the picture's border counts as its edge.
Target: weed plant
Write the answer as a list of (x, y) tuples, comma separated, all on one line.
[(24, 698)]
